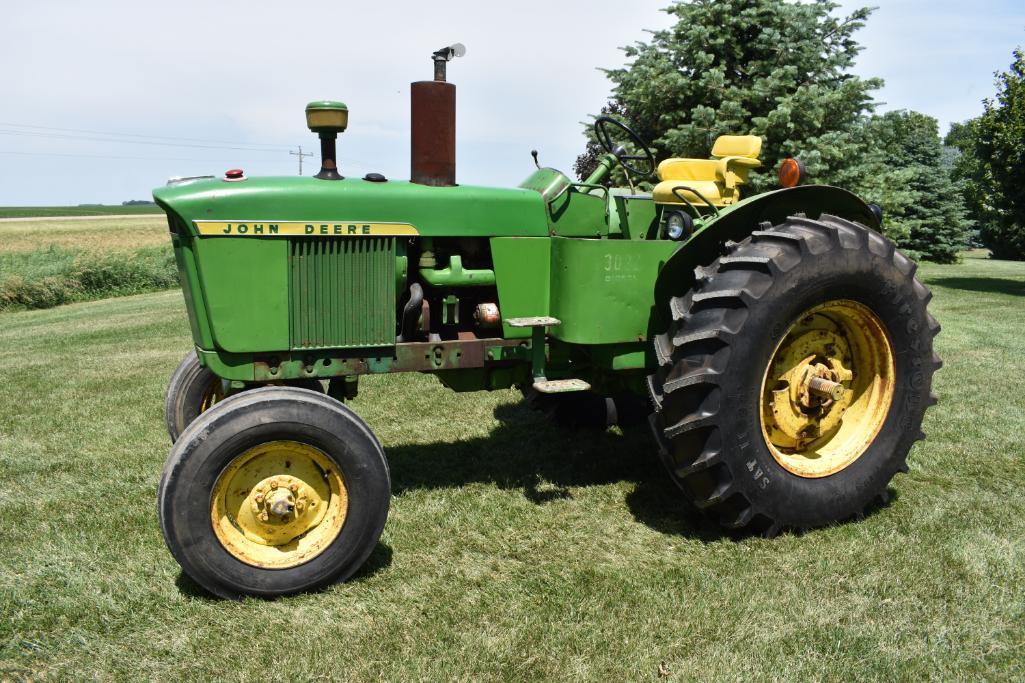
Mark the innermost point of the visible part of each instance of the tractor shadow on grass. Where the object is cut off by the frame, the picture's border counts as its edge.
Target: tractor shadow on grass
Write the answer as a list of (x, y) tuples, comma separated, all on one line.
[(546, 462), (987, 285)]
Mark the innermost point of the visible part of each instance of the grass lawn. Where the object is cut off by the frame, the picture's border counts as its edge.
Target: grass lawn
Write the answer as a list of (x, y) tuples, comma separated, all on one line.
[(513, 550), (89, 210)]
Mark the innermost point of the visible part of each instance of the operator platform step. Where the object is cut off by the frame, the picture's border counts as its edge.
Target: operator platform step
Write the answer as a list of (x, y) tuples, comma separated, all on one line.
[(560, 386), (538, 321)]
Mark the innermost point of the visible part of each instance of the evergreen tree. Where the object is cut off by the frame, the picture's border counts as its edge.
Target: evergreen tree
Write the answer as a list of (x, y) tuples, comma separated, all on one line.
[(901, 167), (781, 70), (765, 67)]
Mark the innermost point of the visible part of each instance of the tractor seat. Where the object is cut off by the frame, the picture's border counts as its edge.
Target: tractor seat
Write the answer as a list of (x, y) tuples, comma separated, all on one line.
[(717, 179)]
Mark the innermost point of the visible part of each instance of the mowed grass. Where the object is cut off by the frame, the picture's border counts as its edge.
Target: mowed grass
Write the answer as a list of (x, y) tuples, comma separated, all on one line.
[(87, 210), (49, 262), (513, 550)]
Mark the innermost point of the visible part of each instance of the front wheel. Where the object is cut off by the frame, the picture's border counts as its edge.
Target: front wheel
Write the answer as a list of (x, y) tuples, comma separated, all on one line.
[(194, 389), (273, 491), (795, 375)]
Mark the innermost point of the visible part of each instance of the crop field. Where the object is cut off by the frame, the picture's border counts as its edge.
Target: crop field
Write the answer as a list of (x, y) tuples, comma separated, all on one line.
[(110, 233), (514, 550), (85, 210), (46, 262)]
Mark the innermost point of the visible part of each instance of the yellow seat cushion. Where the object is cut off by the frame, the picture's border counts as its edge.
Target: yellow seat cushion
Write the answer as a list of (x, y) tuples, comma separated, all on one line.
[(688, 169), (716, 179), (709, 189)]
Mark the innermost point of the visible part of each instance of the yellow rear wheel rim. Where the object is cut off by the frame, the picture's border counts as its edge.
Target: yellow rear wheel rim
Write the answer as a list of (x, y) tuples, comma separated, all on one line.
[(827, 389), (279, 505)]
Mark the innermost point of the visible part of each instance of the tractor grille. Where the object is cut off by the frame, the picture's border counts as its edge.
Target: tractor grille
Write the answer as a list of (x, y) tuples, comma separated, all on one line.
[(341, 292)]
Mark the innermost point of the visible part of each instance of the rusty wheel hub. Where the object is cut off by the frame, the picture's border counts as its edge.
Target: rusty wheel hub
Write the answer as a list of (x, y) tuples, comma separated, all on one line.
[(279, 504), (827, 389)]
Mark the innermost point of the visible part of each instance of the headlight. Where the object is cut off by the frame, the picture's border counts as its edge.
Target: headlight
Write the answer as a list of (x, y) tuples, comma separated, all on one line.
[(679, 226)]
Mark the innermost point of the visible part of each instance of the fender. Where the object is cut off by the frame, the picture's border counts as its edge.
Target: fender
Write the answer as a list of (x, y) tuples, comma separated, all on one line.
[(737, 222)]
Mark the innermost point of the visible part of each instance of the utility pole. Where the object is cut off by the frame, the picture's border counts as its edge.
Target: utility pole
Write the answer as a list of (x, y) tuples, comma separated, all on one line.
[(300, 154)]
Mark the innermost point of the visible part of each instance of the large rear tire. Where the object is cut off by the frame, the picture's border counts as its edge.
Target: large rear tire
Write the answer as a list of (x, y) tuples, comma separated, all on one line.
[(273, 491), (794, 377)]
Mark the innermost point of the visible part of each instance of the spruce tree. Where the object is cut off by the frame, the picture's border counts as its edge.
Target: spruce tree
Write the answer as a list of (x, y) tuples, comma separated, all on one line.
[(772, 68), (781, 70), (902, 168)]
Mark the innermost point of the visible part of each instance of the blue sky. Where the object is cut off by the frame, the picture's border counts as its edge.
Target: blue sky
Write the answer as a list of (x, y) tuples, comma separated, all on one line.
[(102, 101)]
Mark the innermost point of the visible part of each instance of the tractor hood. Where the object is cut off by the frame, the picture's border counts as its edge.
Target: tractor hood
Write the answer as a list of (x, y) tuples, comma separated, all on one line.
[(455, 211)]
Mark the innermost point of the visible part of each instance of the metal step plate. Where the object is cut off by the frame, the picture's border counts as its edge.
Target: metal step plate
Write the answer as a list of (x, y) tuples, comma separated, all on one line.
[(539, 321), (560, 386)]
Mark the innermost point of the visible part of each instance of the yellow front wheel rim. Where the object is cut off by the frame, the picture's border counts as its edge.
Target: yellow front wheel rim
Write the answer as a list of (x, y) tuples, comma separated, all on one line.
[(279, 504), (827, 389), (213, 393)]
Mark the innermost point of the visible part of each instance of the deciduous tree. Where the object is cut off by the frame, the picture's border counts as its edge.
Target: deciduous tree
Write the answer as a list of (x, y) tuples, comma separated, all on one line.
[(991, 165)]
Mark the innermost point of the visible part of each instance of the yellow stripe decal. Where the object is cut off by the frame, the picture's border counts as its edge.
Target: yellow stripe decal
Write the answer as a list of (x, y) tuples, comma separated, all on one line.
[(302, 229)]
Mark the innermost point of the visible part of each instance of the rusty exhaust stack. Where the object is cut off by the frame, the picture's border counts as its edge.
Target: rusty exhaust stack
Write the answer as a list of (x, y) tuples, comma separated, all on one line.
[(433, 123)]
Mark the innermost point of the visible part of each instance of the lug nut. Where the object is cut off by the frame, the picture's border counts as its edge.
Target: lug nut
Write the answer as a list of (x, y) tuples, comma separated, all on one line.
[(259, 498), (294, 488), (264, 517), (273, 485)]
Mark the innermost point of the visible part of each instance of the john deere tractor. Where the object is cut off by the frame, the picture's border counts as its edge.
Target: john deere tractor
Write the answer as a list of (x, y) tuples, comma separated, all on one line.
[(779, 341)]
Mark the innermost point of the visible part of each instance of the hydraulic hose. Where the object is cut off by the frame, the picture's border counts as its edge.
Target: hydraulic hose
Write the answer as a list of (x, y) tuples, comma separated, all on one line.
[(411, 312)]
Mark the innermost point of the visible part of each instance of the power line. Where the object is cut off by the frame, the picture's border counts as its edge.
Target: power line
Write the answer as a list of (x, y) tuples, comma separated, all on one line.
[(110, 156), (138, 135), (62, 136)]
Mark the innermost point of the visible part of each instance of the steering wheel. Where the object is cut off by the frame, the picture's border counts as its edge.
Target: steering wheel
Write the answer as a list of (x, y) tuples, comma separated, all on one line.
[(601, 130)]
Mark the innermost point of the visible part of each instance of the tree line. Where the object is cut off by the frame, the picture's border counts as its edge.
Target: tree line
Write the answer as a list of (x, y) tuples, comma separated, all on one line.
[(782, 70)]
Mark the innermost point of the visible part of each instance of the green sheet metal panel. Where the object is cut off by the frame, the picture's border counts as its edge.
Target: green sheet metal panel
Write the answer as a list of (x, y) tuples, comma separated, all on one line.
[(188, 276), (522, 270), (460, 210), (603, 290), (245, 287)]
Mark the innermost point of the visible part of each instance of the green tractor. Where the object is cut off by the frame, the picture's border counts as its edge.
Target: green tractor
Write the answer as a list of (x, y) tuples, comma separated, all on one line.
[(779, 342)]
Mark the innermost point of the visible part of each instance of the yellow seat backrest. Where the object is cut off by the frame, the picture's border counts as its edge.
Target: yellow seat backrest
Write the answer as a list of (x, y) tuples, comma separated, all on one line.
[(737, 146)]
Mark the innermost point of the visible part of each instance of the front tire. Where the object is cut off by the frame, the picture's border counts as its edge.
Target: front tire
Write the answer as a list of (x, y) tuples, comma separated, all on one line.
[(274, 491), (194, 389), (744, 417), (191, 390)]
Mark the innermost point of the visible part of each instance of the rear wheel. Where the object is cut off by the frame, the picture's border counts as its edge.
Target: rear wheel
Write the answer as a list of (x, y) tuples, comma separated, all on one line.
[(194, 389), (273, 491), (795, 375)]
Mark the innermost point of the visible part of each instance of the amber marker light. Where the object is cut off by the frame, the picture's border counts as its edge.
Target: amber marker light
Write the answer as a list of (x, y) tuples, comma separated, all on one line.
[(791, 172)]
